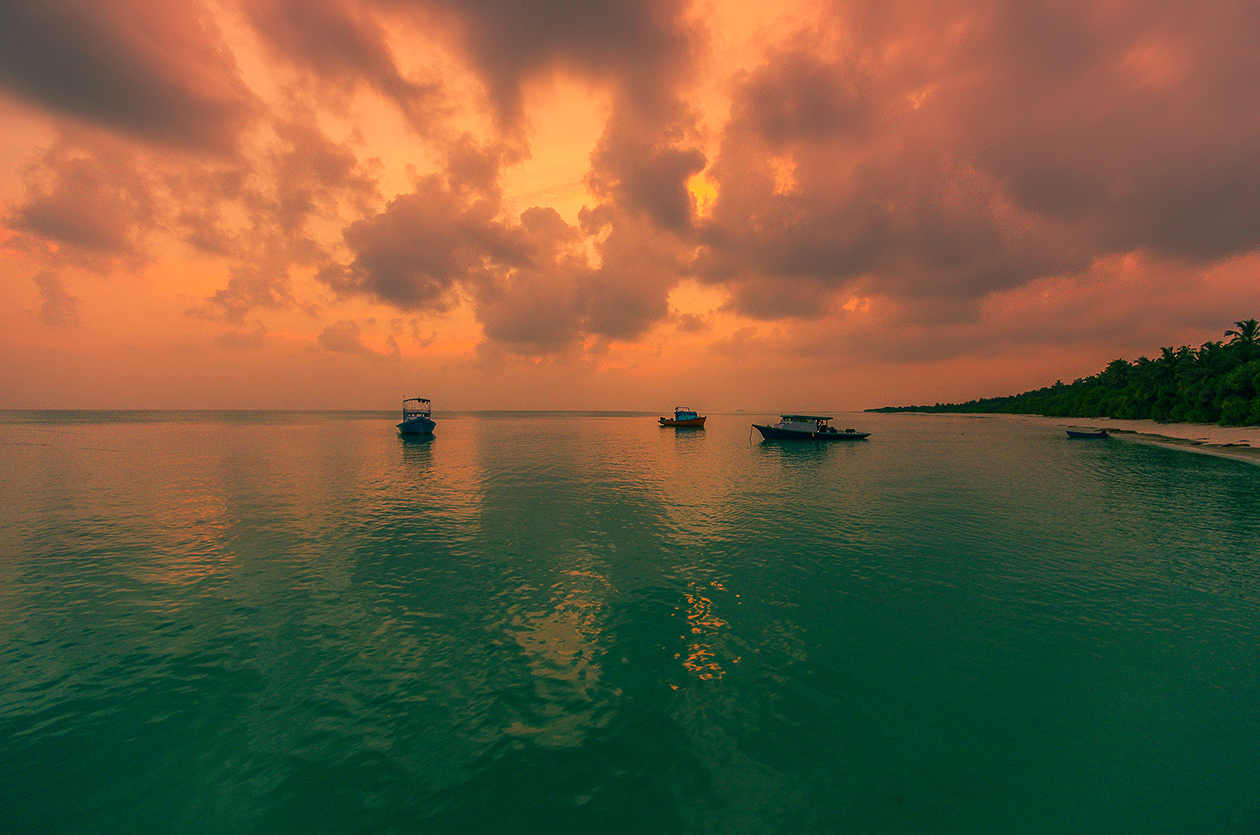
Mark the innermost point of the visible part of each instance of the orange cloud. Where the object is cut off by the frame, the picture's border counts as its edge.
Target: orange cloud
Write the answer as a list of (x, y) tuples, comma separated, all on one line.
[(893, 182)]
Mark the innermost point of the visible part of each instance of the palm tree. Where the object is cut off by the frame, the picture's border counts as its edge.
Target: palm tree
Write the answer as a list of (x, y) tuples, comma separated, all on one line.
[(1246, 332), (1246, 339)]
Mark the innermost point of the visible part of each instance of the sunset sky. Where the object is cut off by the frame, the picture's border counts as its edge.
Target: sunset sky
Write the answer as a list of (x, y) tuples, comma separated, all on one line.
[(615, 205)]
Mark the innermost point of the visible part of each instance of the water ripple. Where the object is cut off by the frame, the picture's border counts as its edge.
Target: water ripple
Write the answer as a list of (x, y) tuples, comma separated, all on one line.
[(570, 624)]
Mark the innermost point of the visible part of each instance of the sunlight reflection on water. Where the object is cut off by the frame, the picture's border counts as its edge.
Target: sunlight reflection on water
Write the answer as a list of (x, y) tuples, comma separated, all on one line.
[(572, 622)]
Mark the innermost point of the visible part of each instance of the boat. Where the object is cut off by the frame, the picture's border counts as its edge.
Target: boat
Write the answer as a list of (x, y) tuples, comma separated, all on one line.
[(1095, 433), (807, 428), (417, 419), (684, 416)]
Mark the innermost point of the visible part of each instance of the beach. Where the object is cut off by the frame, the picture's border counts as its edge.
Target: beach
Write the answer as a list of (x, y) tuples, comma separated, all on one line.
[(1239, 442)]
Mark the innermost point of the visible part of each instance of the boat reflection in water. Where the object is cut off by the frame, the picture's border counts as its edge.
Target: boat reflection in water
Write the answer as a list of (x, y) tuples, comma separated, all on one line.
[(807, 428)]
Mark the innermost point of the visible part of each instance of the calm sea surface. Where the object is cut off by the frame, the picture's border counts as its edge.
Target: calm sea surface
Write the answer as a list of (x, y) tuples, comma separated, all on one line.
[(583, 623)]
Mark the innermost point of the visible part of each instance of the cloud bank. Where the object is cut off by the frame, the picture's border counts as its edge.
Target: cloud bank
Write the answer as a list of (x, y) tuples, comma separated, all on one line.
[(897, 169)]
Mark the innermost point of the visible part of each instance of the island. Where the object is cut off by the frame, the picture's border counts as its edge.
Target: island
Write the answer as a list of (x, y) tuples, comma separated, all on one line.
[(1218, 382)]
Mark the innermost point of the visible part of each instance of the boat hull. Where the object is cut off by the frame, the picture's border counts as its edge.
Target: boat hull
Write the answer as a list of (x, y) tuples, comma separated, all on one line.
[(1072, 434), (772, 433), (417, 426), (694, 423)]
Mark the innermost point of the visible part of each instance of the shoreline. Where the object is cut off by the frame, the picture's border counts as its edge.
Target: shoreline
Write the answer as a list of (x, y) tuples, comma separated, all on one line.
[(1239, 452), (1241, 443)]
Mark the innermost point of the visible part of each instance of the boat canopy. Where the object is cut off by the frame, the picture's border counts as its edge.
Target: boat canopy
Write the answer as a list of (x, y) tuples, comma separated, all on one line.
[(420, 409), (804, 417)]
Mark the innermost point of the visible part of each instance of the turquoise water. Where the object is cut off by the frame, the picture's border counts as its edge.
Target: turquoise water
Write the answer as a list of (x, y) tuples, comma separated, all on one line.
[(274, 623)]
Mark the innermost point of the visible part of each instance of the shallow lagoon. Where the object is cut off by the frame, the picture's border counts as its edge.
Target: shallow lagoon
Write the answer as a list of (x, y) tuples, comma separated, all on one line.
[(264, 622)]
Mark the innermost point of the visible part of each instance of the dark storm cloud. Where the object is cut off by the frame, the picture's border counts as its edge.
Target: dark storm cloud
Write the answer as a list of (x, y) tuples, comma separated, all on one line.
[(158, 72), (262, 284), (531, 283), (533, 313), (638, 164), (93, 203), (643, 51), (537, 306), (302, 177), (344, 43), (640, 46), (472, 167), (777, 298), (1121, 306), (162, 73), (639, 264), (930, 156), (1127, 120), (306, 177), (946, 152), (150, 69), (645, 54), (843, 195), (313, 174), (437, 244), (796, 95), (413, 254), (559, 298)]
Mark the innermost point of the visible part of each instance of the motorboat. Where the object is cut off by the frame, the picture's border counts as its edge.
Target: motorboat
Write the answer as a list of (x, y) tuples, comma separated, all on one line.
[(807, 428), (684, 416), (1093, 433), (417, 417)]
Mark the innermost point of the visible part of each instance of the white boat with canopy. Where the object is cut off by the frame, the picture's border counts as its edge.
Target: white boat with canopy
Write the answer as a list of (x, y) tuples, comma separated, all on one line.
[(807, 428), (417, 417)]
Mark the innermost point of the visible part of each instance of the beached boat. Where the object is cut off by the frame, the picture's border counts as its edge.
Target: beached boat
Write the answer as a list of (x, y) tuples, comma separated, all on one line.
[(684, 417), (807, 428), (1096, 433), (418, 418)]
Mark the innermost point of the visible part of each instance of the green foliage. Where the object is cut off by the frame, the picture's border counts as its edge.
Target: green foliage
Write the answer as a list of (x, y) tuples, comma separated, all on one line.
[(1216, 383)]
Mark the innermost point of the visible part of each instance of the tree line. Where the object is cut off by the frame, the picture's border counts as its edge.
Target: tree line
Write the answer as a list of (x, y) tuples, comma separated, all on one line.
[(1218, 382)]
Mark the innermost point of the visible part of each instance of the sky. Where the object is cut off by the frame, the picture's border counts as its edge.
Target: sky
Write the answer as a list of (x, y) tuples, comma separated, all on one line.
[(336, 204)]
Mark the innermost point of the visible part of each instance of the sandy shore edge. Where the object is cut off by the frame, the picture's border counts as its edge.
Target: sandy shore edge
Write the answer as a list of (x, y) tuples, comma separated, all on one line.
[(1230, 450), (1241, 443)]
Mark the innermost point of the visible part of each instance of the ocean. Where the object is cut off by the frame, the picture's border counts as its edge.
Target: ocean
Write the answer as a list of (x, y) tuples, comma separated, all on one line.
[(265, 622)]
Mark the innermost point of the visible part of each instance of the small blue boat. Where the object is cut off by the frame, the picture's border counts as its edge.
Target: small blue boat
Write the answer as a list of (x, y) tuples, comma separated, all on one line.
[(807, 428), (417, 419), (1094, 433)]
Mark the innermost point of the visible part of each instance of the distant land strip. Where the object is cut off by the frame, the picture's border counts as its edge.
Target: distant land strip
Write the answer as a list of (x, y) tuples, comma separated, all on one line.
[(1219, 382)]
